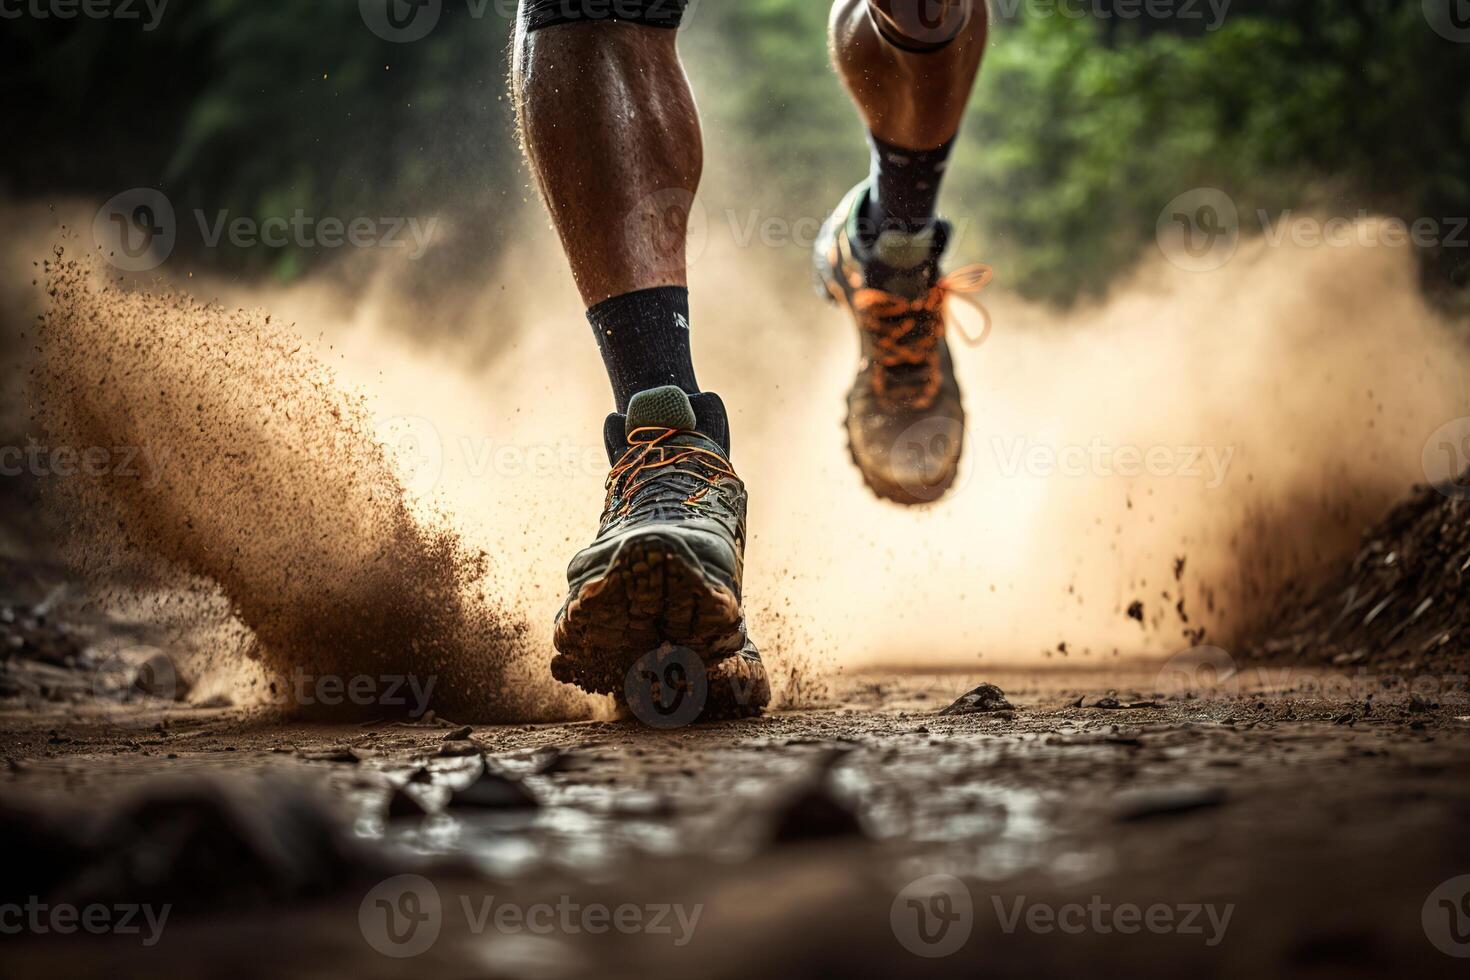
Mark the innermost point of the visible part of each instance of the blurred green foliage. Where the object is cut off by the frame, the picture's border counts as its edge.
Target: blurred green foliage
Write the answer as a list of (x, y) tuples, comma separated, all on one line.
[(1080, 132)]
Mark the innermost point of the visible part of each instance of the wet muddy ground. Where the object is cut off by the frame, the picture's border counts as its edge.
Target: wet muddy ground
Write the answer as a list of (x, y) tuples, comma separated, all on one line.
[(1267, 822)]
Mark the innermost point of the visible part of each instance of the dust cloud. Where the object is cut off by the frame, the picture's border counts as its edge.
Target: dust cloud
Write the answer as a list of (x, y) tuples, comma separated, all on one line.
[(1191, 444)]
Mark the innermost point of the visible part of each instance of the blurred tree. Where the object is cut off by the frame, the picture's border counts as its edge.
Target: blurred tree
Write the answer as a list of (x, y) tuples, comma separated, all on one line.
[(1083, 126)]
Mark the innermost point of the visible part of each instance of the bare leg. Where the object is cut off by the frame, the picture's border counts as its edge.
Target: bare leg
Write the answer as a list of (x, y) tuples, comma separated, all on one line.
[(612, 134), (909, 99)]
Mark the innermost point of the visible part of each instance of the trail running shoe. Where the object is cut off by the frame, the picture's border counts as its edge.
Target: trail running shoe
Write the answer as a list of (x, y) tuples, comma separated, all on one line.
[(666, 567), (905, 418)]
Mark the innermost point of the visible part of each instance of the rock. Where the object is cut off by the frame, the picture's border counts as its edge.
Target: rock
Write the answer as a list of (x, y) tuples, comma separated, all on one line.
[(458, 749), (1110, 703), (459, 734), (177, 842), (983, 699), (551, 761), (1142, 804), (404, 805), (336, 753), (492, 791), (813, 813)]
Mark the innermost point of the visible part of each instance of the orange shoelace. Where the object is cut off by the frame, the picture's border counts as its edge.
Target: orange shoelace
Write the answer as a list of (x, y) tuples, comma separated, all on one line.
[(893, 323), (639, 460)]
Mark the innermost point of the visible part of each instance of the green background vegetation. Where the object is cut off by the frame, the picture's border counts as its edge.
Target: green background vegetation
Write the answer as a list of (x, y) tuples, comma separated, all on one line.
[(1081, 129)]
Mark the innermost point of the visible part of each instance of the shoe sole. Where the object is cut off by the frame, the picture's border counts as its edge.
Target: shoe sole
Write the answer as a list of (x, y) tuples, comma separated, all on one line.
[(651, 593)]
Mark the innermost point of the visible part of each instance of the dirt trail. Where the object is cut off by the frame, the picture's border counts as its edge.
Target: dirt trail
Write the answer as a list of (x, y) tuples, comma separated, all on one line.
[(1315, 828)]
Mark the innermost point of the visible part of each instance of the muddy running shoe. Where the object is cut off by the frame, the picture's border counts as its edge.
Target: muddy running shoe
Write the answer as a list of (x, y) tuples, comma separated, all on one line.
[(905, 419), (665, 569)]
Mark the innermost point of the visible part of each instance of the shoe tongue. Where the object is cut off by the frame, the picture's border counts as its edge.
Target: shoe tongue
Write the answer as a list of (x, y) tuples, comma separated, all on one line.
[(660, 408), (903, 261)]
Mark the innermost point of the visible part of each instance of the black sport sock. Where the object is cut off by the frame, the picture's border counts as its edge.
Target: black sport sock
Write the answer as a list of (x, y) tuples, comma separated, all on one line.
[(903, 186), (644, 339)]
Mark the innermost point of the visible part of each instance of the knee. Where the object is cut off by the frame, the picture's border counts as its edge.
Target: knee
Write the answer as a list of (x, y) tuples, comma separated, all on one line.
[(928, 25)]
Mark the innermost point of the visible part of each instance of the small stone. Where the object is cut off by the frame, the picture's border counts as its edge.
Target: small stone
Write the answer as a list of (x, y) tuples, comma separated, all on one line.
[(985, 698), (1143, 804), (813, 813), (459, 734), (404, 805), (492, 791), (337, 753)]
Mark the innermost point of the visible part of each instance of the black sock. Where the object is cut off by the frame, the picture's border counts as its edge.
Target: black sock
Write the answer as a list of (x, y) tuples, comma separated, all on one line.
[(644, 339), (903, 185)]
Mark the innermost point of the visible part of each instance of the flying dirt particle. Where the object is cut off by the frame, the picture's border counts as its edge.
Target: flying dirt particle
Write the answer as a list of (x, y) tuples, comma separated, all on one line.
[(245, 474)]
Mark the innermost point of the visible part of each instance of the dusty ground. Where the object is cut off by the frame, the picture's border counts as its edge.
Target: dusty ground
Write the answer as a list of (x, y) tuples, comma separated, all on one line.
[(1319, 811)]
